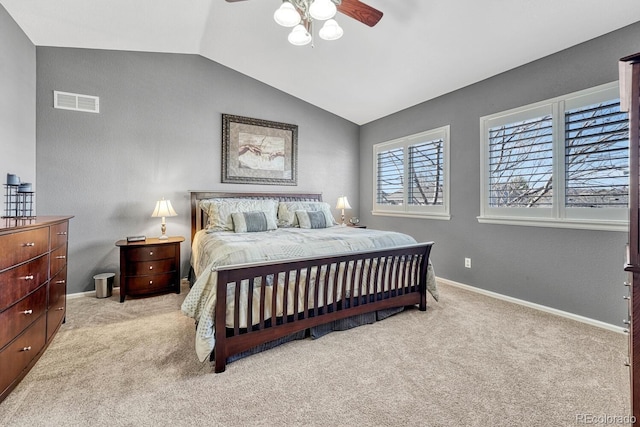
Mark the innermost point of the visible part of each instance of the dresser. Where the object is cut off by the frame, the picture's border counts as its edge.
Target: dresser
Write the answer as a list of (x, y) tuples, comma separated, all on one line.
[(33, 288), (149, 267)]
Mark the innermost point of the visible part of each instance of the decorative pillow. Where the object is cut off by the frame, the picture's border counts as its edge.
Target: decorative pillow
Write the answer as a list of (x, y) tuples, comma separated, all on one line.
[(287, 212), (250, 222), (219, 211), (313, 219)]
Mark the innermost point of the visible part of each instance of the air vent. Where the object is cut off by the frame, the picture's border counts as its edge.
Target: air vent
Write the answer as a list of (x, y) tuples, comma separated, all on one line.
[(76, 102)]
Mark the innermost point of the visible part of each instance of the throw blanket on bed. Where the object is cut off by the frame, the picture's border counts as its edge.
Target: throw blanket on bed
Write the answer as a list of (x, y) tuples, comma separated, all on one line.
[(221, 248)]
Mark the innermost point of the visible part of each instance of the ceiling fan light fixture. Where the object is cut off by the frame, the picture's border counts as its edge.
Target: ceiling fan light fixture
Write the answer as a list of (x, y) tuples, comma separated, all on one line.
[(322, 9), (331, 30), (287, 15), (299, 36)]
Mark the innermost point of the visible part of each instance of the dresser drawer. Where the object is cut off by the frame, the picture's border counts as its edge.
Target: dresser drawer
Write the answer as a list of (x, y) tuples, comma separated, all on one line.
[(22, 280), (150, 253), (23, 246), (17, 317), (58, 260), (148, 284), (16, 356), (150, 267), (59, 234)]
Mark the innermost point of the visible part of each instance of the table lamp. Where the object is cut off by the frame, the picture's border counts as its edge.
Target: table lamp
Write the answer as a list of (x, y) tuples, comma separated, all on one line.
[(163, 209), (343, 203)]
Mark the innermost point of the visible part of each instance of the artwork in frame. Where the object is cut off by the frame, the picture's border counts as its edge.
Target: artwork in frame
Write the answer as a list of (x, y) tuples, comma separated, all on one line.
[(258, 151)]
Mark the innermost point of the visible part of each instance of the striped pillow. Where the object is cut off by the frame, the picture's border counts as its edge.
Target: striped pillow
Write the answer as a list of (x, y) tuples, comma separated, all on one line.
[(251, 222), (312, 219)]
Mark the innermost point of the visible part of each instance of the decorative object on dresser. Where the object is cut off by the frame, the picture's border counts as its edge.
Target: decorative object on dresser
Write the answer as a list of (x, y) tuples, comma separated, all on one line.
[(150, 266), (342, 204), (33, 289), (163, 209), (18, 198), (629, 68), (258, 151)]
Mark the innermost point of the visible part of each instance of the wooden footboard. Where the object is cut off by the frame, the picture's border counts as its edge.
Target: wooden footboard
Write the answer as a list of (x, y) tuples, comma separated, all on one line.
[(312, 292)]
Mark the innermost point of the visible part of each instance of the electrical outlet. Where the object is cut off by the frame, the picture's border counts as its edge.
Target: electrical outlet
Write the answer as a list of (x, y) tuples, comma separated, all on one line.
[(467, 262)]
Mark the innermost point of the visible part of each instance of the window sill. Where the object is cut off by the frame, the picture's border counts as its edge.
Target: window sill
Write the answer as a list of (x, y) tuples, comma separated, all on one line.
[(417, 215), (580, 224)]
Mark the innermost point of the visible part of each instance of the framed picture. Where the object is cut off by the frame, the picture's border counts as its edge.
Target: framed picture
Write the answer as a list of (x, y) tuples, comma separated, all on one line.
[(258, 151)]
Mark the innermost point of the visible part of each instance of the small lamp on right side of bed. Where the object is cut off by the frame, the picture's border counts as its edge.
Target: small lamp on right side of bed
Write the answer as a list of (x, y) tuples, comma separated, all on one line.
[(343, 203)]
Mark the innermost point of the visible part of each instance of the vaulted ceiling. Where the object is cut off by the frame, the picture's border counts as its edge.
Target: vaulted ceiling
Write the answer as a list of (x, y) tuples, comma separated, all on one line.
[(419, 50)]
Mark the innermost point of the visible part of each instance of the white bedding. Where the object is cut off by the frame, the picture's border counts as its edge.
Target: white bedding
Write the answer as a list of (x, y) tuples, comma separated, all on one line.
[(221, 248)]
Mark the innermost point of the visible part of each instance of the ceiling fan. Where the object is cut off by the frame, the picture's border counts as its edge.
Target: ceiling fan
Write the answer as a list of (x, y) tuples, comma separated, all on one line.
[(300, 14)]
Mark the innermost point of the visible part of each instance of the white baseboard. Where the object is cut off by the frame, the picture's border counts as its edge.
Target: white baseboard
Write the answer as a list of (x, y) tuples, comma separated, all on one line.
[(535, 306), (84, 294)]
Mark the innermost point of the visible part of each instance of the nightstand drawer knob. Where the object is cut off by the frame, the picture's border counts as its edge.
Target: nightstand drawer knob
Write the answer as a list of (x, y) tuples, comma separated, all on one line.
[(27, 312)]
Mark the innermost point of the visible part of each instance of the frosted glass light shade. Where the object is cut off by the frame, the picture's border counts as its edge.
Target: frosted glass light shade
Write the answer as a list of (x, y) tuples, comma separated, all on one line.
[(287, 15), (299, 36), (322, 9), (331, 30)]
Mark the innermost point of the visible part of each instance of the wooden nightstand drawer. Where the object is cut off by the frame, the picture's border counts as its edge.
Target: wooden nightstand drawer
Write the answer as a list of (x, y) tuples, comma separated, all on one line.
[(16, 318), (150, 267), (150, 284), (150, 253)]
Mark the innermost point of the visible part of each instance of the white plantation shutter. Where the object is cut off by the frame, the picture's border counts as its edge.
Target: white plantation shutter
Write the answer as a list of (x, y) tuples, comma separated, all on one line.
[(411, 175)]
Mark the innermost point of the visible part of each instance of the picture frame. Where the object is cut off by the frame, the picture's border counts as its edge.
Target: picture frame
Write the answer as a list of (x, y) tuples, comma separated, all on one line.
[(256, 151)]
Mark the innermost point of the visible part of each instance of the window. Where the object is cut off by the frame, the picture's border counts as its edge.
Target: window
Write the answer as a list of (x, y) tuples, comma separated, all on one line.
[(558, 163), (411, 175)]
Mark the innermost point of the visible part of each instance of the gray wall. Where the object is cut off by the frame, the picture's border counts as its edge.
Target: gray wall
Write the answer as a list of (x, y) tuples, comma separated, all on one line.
[(158, 134), (18, 102), (573, 270)]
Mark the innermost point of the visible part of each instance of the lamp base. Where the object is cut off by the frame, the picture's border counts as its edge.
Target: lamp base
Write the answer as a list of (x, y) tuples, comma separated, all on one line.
[(163, 237)]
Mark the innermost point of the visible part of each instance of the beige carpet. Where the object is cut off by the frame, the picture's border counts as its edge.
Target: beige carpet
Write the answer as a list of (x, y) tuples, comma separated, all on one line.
[(470, 360)]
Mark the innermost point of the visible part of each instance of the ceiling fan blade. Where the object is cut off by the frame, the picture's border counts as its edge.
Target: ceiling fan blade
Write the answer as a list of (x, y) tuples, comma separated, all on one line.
[(360, 11)]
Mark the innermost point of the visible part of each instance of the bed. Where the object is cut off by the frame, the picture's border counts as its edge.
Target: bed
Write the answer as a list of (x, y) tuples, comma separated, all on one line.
[(270, 267)]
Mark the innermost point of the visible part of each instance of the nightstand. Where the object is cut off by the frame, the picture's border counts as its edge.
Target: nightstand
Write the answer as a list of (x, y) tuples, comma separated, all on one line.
[(357, 226), (150, 266)]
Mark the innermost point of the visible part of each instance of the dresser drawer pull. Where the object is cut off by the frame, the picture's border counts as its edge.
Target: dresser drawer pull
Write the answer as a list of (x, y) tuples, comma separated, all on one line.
[(27, 312), (150, 252), (61, 257), (151, 267), (30, 244), (26, 348), (59, 308), (60, 282), (61, 233), (151, 282), (29, 277)]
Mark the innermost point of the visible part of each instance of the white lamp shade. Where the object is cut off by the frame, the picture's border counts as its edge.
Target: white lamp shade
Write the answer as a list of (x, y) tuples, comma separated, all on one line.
[(163, 208), (287, 15), (331, 30), (343, 203), (322, 9), (299, 36)]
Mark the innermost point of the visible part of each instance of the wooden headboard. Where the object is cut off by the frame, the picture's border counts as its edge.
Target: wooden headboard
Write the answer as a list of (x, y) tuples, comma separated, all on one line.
[(199, 217)]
